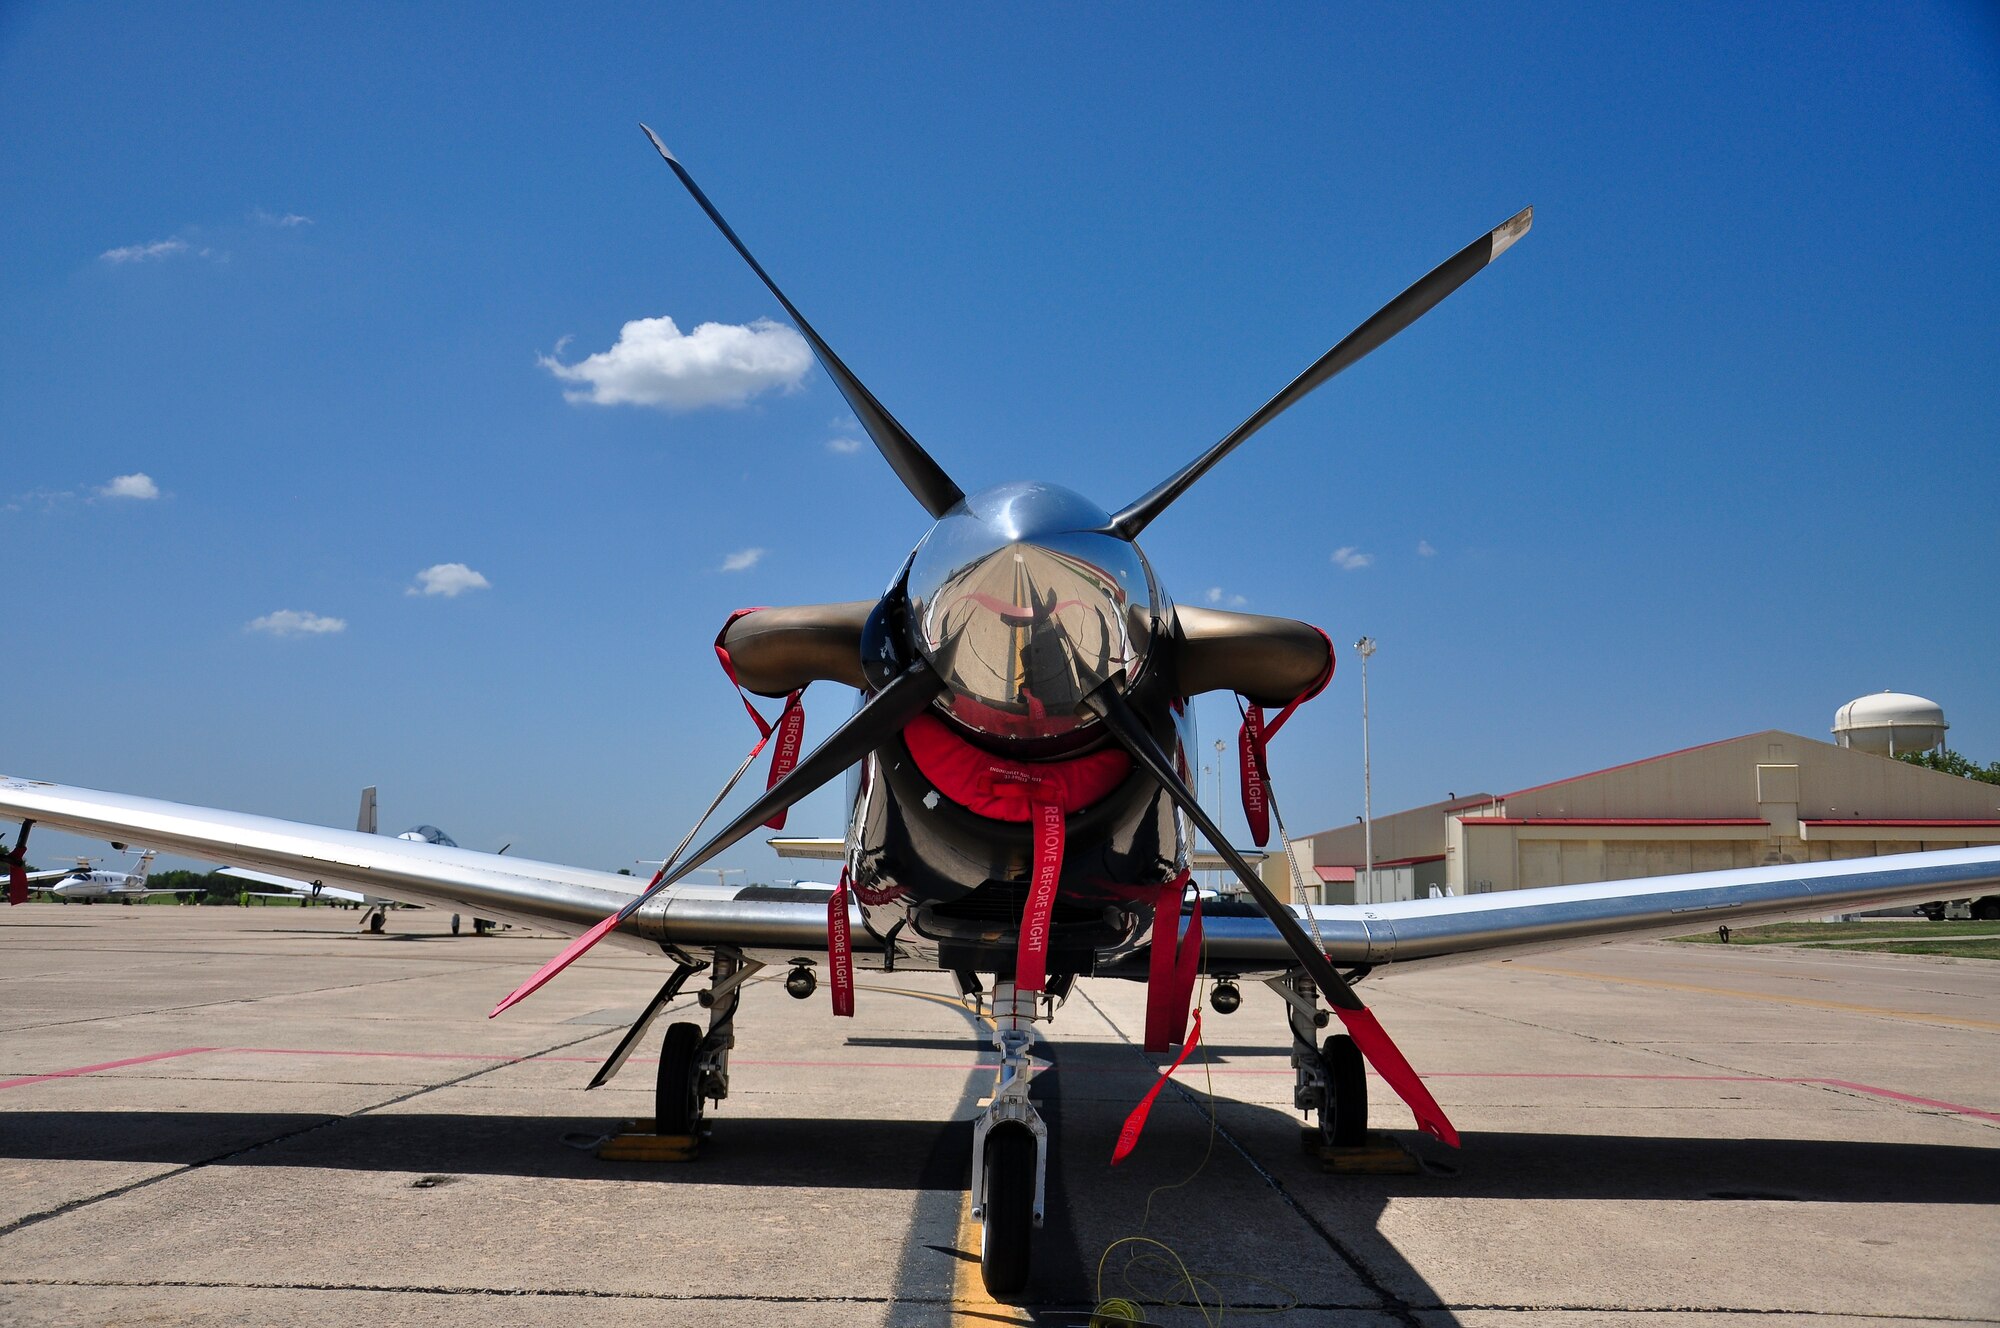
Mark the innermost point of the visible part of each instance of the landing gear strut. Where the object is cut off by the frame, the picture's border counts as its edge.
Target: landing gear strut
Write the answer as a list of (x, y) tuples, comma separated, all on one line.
[(1330, 1079), (1010, 1149), (694, 1066)]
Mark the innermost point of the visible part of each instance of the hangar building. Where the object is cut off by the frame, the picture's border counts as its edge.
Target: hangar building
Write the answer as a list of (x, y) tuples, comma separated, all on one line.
[(1766, 797)]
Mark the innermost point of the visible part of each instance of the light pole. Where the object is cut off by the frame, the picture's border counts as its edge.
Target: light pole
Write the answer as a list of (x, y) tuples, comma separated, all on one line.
[(1221, 800), (1366, 647)]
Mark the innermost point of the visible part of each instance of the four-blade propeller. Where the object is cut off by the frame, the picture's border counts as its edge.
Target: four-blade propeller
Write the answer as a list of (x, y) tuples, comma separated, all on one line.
[(908, 693)]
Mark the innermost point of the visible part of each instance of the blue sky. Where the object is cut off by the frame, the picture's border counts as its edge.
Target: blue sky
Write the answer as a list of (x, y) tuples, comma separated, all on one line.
[(1712, 450)]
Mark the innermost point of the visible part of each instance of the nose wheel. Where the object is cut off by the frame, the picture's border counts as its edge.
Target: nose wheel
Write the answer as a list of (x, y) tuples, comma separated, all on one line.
[(1008, 1226), (1010, 1149)]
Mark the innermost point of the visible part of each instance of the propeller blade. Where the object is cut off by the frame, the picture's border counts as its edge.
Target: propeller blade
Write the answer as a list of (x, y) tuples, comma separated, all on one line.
[(1109, 705), (923, 477), (1392, 318), (881, 718)]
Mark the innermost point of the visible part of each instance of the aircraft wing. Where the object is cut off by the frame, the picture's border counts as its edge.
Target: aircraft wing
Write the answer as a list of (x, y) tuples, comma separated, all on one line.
[(1484, 926), (50, 875), (1418, 931), (290, 886), (537, 894)]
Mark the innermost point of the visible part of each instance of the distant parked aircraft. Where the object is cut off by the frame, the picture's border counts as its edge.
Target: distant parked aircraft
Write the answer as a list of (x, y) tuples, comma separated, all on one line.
[(84, 884), (378, 908)]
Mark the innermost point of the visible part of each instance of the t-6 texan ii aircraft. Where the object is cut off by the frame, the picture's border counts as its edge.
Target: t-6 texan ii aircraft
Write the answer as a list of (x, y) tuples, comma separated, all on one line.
[(1019, 813)]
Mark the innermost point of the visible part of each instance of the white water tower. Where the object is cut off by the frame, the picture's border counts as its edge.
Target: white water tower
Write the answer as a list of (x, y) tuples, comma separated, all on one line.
[(1890, 724)]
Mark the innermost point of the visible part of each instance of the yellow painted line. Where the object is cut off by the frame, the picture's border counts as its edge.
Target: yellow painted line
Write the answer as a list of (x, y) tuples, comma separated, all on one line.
[(968, 1288), (1880, 1012)]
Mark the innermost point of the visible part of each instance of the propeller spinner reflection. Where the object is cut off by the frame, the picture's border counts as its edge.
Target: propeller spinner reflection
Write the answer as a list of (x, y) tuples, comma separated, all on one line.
[(1025, 605)]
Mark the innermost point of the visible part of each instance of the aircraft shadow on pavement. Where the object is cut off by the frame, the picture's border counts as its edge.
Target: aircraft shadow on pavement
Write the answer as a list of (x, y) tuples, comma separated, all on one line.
[(931, 1155), (858, 1153)]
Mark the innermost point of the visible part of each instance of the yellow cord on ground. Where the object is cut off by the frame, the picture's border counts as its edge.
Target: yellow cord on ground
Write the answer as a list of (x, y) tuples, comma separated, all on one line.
[(1150, 1266)]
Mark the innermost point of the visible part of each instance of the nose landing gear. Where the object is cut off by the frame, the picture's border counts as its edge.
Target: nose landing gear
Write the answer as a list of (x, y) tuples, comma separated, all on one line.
[(1010, 1150)]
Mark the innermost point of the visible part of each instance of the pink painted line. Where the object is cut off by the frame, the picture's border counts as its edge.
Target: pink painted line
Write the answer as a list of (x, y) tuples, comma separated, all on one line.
[(1894, 1096), (394, 1055), (108, 1065)]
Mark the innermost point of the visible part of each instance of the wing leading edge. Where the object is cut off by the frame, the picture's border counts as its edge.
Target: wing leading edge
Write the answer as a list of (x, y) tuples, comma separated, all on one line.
[(487, 885), (1476, 927)]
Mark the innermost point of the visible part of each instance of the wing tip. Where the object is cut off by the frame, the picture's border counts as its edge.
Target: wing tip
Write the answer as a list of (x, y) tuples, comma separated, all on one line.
[(1504, 234)]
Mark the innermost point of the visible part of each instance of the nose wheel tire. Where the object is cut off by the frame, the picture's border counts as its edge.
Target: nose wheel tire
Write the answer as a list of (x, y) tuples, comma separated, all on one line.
[(1344, 1118), (677, 1101), (1008, 1223)]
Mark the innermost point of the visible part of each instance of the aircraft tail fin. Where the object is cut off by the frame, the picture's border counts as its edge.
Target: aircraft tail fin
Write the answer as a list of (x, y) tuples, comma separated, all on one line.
[(365, 822), (145, 865)]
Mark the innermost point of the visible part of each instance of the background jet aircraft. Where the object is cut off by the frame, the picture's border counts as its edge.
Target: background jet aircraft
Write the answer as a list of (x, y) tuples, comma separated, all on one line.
[(85, 884), (1020, 815)]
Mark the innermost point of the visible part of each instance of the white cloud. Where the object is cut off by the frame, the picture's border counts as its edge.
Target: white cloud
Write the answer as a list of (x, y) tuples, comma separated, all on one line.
[(291, 622), (1216, 595), (1424, 549), (136, 485), (448, 579), (285, 219), (655, 364), (140, 253), (843, 446), (1350, 559), (742, 560)]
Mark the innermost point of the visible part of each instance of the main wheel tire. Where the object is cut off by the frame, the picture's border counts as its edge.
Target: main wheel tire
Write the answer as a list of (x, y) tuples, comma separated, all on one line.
[(677, 1099), (1008, 1225), (454, 924), (376, 922), (1344, 1119), (1986, 909)]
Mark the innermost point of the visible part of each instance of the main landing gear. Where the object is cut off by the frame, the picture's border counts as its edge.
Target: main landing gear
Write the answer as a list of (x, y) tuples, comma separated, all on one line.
[(1330, 1081), (694, 1065), (1010, 1147)]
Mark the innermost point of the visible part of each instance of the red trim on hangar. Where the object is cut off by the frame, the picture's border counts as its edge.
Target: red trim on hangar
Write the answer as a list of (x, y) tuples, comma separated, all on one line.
[(1627, 820), (1335, 875), (1912, 825)]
